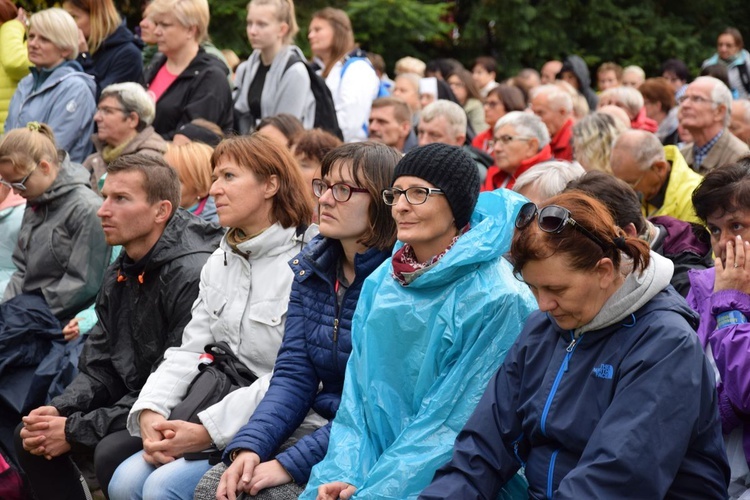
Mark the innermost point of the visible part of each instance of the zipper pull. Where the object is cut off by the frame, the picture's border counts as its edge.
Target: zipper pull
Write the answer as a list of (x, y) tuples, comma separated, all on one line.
[(572, 345), (335, 329)]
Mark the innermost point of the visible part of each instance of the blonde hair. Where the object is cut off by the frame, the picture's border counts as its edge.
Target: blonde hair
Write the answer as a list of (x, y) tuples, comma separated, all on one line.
[(192, 161), (58, 27), (410, 64), (103, 18), (25, 147), (284, 14), (188, 13)]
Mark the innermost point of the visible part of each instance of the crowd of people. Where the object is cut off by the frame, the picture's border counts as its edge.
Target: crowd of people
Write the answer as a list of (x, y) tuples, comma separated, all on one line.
[(296, 277)]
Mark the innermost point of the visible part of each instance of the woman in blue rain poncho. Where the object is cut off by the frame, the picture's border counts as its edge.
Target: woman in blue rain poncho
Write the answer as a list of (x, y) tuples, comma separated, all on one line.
[(431, 327)]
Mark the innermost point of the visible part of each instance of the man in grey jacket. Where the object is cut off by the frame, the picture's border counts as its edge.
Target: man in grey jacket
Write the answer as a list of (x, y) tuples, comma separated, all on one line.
[(142, 308)]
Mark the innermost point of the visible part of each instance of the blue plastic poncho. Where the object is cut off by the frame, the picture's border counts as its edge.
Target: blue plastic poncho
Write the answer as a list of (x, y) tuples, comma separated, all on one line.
[(422, 356)]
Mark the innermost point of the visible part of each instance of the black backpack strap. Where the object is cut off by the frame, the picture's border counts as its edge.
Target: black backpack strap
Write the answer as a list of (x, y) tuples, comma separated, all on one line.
[(294, 58), (744, 76)]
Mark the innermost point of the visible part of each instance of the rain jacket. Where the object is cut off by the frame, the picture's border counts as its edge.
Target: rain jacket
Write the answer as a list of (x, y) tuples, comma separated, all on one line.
[(11, 215), (578, 67), (14, 63), (422, 355), (118, 59), (137, 323), (728, 349), (61, 248), (243, 302), (678, 196), (316, 347), (200, 91), (623, 407), (65, 102)]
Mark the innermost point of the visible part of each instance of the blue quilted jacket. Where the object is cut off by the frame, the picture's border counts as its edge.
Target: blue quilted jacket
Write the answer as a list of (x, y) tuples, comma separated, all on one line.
[(314, 351)]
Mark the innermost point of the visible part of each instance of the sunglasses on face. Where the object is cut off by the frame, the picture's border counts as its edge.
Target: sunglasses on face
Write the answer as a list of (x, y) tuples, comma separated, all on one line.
[(552, 219)]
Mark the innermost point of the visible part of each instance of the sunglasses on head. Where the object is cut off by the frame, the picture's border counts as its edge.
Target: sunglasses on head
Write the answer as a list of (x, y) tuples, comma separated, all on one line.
[(552, 219)]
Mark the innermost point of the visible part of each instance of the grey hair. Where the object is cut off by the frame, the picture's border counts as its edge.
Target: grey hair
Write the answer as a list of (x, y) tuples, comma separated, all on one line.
[(412, 78), (627, 96), (555, 95), (134, 99), (525, 124), (454, 114), (549, 177), (644, 147), (720, 95)]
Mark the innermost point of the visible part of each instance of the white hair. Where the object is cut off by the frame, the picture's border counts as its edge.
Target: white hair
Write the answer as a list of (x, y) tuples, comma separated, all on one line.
[(525, 124), (453, 113), (644, 147), (556, 96), (627, 96), (550, 177), (720, 95)]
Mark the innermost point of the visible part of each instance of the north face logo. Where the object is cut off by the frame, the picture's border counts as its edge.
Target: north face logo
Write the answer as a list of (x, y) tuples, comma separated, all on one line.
[(603, 371)]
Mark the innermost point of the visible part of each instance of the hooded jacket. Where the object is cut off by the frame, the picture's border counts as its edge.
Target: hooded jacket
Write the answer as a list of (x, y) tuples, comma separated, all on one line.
[(200, 91), (578, 67), (243, 302), (681, 183), (137, 323), (623, 407), (65, 102), (147, 142), (14, 63), (117, 60), (61, 249), (742, 58), (422, 355), (316, 347), (284, 90)]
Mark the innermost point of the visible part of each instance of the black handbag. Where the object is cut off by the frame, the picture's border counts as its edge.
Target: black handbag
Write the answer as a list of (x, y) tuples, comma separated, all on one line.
[(217, 378)]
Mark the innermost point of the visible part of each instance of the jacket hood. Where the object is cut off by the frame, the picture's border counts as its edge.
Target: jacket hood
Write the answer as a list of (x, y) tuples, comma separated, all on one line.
[(70, 177), (69, 69), (634, 293), (121, 36), (489, 237), (578, 66), (271, 242), (185, 234)]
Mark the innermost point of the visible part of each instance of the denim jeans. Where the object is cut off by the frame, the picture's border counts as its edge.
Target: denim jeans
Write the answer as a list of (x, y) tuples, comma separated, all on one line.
[(135, 479)]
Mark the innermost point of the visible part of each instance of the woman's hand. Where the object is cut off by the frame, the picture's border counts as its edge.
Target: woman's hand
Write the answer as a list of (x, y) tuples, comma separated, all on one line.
[(147, 420), (22, 17), (180, 437), (238, 476), (72, 331), (734, 274), (267, 475), (336, 490)]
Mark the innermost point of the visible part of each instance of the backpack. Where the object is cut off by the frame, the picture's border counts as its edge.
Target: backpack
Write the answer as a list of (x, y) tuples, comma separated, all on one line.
[(383, 88), (325, 110)]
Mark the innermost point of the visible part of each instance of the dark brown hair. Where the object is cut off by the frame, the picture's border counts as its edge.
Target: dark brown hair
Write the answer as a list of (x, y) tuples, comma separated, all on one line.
[(287, 124), (8, 11), (315, 144), (372, 165), (264, 158), (531, 243), (512, 97), (658, 90), (724, 189), (160, 181)]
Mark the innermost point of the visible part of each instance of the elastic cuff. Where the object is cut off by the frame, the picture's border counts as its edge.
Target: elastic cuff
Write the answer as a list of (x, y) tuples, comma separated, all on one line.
[(729, 418)]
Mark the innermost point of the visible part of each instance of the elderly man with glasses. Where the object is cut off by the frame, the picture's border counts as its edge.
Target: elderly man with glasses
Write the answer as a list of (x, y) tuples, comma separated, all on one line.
[(705, 111)]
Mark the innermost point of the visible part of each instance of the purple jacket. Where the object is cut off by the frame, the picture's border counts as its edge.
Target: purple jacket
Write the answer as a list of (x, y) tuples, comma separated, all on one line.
[(730, 347)]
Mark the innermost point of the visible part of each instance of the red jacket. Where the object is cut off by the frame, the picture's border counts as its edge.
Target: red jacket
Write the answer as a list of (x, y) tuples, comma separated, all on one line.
[(643, 122), (562, 144), (497, 178)]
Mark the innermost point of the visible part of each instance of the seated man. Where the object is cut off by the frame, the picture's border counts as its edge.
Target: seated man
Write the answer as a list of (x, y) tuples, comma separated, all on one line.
[(390, 123), (659, 173), (521, 141), (446, 122), (686, 245), (555, 107), (143, 306)]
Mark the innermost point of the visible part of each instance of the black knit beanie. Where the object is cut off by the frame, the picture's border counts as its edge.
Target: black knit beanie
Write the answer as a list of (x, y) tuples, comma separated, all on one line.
[(447, 168)]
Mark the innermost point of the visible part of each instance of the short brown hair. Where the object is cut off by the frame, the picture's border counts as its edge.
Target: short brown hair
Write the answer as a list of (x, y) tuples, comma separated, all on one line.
[(372, 165), (160, 181), (610, 66), (265, 158), (401, 111), (8, 11), (531, 243), (315, 144), (287, 124), (512, 97), (658, 90)]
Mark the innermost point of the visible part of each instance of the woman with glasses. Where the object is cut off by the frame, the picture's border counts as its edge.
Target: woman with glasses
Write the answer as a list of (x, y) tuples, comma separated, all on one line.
[(499, 101), (521, 141), (431, 327), (243, 300), (61, 249), (607, 392), (356, 235)]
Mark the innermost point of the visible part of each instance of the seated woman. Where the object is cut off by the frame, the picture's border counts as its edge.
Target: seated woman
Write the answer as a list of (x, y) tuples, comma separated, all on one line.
[(185, 81), (193, 164), (430, 329), (57, 92), (606, 393), (309, 148), (721, 295), (123, 119), (61, 249), (356, 235), (243, 298), (107, 49)]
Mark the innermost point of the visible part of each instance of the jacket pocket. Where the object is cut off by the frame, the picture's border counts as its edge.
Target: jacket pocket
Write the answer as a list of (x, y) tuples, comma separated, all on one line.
[(268, 312)]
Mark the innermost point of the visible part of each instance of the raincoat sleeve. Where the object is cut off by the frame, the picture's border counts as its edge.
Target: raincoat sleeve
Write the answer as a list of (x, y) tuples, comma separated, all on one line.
[(14, 57), (85, 267), (480, 329)]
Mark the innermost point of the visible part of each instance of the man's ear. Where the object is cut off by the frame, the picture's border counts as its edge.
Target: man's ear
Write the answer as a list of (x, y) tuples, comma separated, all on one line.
[(163, 211)]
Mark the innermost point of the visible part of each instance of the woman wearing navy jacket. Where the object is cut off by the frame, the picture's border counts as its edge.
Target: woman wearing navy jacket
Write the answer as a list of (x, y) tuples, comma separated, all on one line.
[(356, 236), (607, 392)]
